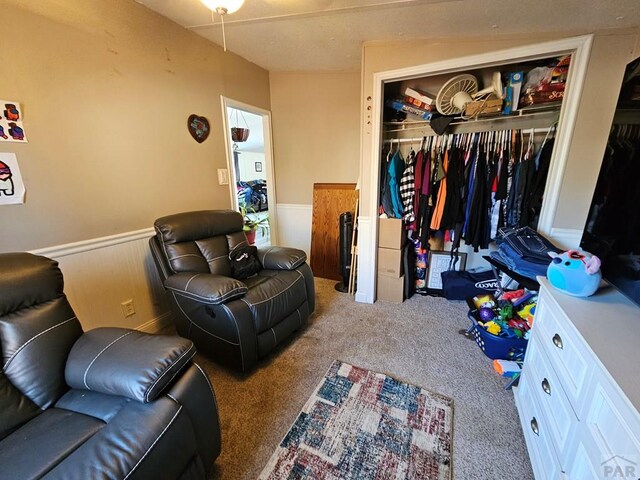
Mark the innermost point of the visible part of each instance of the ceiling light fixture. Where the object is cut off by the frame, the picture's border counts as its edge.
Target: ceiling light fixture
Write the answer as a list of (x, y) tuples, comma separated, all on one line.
[(222, 8)]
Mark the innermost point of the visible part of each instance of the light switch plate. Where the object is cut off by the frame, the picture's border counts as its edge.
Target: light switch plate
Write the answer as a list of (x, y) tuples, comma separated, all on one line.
[(223, 176)]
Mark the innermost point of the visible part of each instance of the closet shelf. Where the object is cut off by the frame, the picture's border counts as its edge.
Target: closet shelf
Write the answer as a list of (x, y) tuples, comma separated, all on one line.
[(529, 117)]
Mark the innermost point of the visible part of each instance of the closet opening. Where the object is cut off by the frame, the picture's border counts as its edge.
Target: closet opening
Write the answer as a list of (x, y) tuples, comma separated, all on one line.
[(527, 131)]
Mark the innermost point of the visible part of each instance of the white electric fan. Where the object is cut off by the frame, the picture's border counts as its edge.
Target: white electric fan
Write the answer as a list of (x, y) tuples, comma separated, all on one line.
[(495, 88), (456, 93)]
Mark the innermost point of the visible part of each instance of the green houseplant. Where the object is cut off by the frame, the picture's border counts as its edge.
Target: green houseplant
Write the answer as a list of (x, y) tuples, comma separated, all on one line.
[(252, 225)]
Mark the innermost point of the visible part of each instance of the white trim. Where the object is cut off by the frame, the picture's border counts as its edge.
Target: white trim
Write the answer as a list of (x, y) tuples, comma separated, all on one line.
[(366, 264), (82, 246), (268, 157), (566, 125), (566, 237), (296, 206), (156, 325), (580, 47)]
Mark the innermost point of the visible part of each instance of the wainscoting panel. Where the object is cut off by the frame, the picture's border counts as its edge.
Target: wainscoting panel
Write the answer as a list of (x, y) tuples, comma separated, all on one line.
[(294, 226), (101, 273)]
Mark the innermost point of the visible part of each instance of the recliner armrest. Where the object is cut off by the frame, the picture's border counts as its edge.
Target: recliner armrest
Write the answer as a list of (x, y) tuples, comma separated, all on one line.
[(205, 287), (129, 363), (281, 258)]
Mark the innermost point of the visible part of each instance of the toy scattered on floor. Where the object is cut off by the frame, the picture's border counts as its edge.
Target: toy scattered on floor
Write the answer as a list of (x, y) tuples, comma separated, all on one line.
[(575, 273), (507, 368)]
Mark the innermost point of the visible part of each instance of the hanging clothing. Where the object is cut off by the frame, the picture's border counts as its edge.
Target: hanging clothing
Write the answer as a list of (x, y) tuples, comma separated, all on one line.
[(442, 190), (468, 186), (407, 188), (477, 234), (386, 205), (533, 201), (394, 173), (473, 159), (391, 172), (424, 199), (452, 214)]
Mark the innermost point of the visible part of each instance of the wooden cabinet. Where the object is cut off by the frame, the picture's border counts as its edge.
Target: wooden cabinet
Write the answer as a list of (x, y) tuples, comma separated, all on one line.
[(329, 201), (579, 393)]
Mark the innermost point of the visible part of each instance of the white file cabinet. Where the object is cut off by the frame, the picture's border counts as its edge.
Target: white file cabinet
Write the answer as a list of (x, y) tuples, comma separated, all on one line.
[(579, 393)]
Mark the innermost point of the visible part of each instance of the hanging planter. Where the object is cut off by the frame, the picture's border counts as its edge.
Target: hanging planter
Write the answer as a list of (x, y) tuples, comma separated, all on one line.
[(239, 134)]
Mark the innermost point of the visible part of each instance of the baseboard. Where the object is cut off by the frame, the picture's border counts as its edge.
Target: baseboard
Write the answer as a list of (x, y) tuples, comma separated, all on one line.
[(157, 324)]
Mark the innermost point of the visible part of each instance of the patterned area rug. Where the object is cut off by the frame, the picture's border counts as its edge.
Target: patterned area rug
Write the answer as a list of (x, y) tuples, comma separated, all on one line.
[(359, 424)]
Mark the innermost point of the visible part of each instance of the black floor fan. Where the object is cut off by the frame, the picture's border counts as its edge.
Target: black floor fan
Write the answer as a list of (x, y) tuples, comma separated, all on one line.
[(346, 232)]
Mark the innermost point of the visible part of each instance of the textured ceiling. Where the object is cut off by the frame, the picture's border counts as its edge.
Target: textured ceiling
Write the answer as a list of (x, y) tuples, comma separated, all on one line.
[(312, 35)]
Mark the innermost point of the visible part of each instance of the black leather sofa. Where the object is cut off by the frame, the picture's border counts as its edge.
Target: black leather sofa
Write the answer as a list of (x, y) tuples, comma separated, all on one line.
[(111, 403), (236, 322)]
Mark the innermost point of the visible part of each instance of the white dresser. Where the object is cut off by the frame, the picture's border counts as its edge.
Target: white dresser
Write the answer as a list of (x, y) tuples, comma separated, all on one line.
[(579, 393)]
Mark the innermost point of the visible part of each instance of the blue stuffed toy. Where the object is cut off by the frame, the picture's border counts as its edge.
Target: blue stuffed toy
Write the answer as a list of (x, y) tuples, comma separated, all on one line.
[(575, 272)]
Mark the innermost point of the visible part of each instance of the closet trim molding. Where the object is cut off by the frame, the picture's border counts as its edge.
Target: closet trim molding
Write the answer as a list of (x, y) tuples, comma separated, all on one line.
[(579, 47)]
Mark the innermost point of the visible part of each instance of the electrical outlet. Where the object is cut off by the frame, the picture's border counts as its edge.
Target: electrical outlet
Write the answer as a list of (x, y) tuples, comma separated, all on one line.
[(128, 308)]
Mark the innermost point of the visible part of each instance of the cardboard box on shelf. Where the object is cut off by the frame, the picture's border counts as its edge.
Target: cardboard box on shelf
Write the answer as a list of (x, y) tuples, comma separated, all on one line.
[(390, 262), (482, 107), (390, 289), (400, 106), (391, 233)]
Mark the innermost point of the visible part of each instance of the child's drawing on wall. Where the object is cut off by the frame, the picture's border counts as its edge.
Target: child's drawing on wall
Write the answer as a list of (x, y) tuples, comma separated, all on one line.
[(6, 184), (12, 189), (11, 127)]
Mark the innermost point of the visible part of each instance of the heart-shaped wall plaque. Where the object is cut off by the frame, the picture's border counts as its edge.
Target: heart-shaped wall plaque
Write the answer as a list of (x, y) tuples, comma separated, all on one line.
[(198, 127)]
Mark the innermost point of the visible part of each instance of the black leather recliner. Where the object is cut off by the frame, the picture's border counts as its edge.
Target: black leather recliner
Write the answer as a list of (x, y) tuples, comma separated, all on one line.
[(236, 322), (111, 403)]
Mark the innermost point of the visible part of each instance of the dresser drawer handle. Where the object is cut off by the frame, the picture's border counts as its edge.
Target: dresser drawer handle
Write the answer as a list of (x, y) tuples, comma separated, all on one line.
[(557, 341), (546, 387), (534, 426)]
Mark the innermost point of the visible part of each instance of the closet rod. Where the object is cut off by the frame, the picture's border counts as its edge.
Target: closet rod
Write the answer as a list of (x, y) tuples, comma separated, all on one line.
[(539, 119), (627, 117), (419, 139)]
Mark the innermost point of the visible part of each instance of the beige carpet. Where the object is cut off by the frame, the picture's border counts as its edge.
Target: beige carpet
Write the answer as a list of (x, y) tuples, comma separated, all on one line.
[(416, 342)]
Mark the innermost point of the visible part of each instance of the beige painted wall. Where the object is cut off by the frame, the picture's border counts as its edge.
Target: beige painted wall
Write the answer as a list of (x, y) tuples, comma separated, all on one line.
[(316, 135), (610, 53), (247, 164), (106, 87)]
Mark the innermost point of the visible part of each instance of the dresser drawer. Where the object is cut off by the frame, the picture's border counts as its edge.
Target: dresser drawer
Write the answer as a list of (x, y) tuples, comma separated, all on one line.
[(565, 350), (585, 466), (547, 389), (542, 453), (611, 422)]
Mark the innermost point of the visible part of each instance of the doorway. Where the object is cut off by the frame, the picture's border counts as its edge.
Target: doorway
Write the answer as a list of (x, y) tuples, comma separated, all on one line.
[(250, 163)]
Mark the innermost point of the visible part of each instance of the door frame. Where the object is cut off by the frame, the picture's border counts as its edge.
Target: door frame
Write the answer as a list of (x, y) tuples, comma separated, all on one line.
[(226, 103), (579, 47)]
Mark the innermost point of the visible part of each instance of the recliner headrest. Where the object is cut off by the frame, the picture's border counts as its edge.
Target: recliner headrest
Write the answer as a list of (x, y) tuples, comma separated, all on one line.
[(27, 280), (190, 226)]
